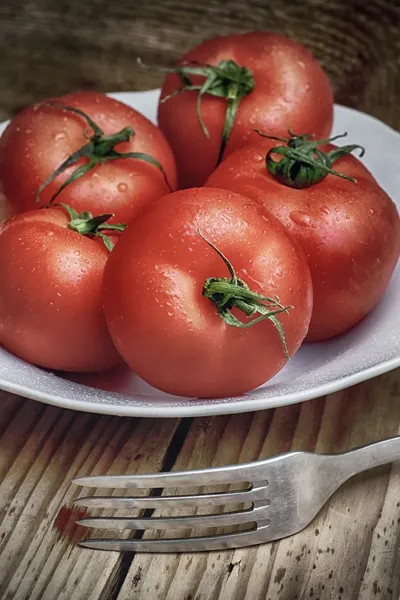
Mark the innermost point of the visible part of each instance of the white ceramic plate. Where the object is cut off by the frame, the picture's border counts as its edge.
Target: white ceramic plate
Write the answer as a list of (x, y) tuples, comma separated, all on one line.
[(371, 348)]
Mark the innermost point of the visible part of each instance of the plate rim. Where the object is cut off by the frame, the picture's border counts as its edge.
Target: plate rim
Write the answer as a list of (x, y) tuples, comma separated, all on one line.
[(217, 407), (198, 410)]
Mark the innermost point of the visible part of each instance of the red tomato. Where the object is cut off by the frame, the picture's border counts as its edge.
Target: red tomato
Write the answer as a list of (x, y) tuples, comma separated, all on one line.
[(163, 325), (41, 137), (50, 293), (349, 231), (291, 91)]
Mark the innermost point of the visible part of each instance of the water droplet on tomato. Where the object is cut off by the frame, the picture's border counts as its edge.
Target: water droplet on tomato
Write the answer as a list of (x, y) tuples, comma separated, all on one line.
[(278, 272), (325, 210), (28, 130), (77, 253), (190, 249), (300, 218), (258, 157), (371, 211), (59, 135), (347, 216), (122, 187), (111, 179)]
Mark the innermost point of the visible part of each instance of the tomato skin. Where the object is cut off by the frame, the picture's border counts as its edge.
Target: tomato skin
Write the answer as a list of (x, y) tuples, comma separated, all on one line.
[(40, 138), (163, 326), (350, 232), (291, 92), (50, 294)]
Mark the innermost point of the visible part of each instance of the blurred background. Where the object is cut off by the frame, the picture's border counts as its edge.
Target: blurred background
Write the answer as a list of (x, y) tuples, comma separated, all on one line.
[(49, 47)]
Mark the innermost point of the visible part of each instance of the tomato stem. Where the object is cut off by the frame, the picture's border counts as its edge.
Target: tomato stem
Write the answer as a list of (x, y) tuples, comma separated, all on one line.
[(227, 293), (226, 80), (98, 150), (303, 163), (86, 224)]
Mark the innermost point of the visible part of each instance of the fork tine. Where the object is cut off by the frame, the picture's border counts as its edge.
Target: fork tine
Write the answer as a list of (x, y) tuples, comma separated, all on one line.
[(252, 495), (221, 475), (198, 544), (215, 520)]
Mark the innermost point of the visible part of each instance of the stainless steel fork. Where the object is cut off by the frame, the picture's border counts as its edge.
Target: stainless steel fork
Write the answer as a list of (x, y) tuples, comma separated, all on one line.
[(286, 492)]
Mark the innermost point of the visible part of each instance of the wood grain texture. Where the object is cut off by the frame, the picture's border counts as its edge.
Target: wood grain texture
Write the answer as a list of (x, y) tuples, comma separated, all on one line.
[(353, 544), (352, 549)]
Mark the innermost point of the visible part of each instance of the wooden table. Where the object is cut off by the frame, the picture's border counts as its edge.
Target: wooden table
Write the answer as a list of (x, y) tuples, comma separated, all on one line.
[(351, 550)]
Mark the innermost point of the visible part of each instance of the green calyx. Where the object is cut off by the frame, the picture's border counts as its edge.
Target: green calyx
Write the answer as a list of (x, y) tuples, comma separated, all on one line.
[(303, 163), (228, 293), (86, 224), (226, 80), (98, 150)]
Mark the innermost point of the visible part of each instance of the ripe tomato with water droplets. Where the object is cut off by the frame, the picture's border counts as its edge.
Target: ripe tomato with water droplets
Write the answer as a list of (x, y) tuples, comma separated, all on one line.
[(174, 309), (41, 137), (349, 230), (254, 80), (50, 293)]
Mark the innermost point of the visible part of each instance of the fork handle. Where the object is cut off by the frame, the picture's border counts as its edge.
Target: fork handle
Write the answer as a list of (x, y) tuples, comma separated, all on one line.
[(367, 457)]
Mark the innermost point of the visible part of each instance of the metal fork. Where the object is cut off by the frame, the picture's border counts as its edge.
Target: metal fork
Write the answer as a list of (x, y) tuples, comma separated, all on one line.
[(286, 492)]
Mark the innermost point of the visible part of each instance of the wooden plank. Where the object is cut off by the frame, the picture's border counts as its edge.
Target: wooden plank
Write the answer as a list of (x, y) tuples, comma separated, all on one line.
[(9, 407), (338, 540), (38, 555), (384, 553), (17, 414)]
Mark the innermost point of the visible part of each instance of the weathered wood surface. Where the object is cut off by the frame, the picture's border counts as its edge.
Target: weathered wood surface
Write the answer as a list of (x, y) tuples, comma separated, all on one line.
[(352, 549)]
